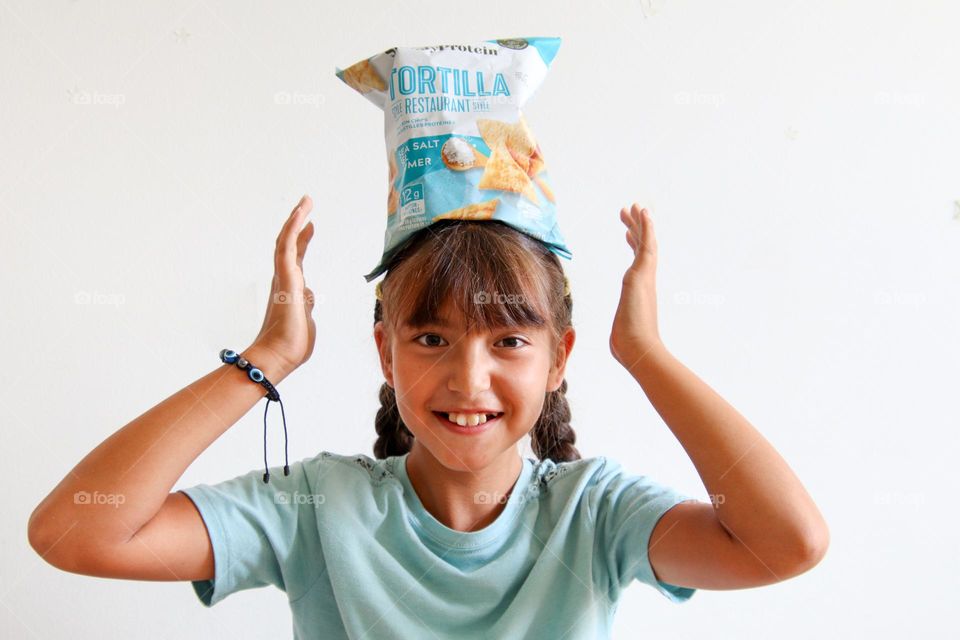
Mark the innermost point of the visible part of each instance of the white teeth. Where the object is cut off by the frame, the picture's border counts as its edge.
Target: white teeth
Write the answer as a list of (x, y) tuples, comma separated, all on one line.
[(465, 419)]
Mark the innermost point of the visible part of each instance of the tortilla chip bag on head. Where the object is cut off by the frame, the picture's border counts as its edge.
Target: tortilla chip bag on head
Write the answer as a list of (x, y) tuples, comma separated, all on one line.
[(458, 145)]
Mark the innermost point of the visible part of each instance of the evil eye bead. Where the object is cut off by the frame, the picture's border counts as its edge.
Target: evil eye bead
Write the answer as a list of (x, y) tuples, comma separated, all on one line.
[(256, 375), (229, 356)]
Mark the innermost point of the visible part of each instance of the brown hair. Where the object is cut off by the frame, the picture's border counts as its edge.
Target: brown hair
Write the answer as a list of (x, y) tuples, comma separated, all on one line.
[(466, 263)]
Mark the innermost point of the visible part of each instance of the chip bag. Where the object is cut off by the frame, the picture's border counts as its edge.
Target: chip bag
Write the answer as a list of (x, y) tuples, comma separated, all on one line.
[(458, 146)]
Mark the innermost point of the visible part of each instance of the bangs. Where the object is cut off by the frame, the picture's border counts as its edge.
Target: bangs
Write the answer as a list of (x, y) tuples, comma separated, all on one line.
[(467, 273)]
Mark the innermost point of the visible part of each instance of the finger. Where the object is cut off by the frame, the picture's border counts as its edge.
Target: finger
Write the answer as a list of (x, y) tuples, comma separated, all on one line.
[(644, 230), (299, 212), (630, 242), (283, 228), (632, 236), (636, 228), (302, 241), (286, 253), (649, 236), (627, 220)]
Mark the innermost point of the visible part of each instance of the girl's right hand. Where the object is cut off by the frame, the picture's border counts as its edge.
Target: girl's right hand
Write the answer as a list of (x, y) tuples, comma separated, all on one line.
[(288, 329)]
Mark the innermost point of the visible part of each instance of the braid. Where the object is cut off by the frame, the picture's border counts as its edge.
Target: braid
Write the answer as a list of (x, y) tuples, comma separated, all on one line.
[(393, 437), (552, 435)]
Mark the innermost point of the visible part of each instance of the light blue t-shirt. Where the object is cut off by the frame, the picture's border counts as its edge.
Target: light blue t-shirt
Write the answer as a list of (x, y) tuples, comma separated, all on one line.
[(348, 540)]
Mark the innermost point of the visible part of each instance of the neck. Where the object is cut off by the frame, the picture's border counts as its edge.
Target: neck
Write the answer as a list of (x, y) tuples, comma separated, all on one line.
[(463, 500)]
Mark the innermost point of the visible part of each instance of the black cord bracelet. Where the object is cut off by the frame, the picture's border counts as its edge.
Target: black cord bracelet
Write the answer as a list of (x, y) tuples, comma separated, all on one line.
[(228, 356)]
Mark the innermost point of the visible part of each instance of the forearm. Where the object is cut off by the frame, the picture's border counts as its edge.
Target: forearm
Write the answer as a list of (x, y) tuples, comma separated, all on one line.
[(129, 475), (757, 497)]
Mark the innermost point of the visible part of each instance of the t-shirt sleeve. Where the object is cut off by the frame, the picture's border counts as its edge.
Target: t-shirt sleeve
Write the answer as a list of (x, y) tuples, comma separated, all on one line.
[(625, 509), (255, 530)]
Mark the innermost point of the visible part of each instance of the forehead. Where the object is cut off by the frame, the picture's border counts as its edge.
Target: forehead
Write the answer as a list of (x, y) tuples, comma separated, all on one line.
[(451, 318)]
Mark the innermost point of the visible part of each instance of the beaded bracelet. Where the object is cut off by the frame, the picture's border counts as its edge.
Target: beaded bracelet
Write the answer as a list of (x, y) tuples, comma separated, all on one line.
[(228, 356)]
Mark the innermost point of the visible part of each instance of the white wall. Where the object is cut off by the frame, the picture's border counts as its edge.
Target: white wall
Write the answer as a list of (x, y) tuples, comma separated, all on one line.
[(801, 161)]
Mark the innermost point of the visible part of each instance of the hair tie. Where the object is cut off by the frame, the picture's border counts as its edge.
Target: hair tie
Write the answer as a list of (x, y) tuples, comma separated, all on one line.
[(228, 356), (378, 291)]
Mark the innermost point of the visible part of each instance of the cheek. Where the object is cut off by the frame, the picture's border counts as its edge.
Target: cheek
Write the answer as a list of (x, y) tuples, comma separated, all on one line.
[(412, 389), (409, 375), (531, 378)]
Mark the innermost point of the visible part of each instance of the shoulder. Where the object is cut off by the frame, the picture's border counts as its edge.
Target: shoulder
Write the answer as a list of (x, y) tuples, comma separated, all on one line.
[(597, 486), (566, 478), (356, 466), (602, 484), (590, 470)]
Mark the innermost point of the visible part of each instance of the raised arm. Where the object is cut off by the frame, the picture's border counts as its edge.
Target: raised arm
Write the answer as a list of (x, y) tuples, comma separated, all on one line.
[(113, 514), (761, 526)]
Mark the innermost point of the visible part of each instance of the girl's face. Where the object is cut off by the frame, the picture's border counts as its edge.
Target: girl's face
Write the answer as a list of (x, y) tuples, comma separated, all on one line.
[(438, 368)]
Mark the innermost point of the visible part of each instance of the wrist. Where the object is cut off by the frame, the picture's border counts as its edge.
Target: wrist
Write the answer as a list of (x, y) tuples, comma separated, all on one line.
[(274, 367), (637, 360)]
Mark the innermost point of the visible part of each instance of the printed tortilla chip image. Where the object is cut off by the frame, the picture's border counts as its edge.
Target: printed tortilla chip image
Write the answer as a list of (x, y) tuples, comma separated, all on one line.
[(518, 139), (475, 211), (531, 165), (536, 163), (393, 199), (504, 174), (522, 161), (494, 132), (547, 191), (521, 138), (363, 77)]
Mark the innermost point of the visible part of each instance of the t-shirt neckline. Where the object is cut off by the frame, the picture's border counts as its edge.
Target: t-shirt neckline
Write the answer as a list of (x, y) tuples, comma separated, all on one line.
[(464, 539)]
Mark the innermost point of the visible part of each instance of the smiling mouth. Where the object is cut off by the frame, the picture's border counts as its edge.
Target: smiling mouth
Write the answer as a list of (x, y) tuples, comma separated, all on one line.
[(479, 426)]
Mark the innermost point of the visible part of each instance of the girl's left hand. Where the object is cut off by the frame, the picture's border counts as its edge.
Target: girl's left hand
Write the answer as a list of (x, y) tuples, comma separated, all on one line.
[(635, 324)]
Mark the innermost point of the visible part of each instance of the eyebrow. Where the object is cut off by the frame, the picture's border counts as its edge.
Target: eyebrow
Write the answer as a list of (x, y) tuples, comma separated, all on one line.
[(443, 324)]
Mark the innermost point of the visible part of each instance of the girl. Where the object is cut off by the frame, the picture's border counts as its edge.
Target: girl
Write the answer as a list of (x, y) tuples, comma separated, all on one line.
[(448, 531)]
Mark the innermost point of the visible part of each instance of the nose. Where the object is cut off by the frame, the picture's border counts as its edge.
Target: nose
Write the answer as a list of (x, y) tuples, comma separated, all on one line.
[(469, 367)]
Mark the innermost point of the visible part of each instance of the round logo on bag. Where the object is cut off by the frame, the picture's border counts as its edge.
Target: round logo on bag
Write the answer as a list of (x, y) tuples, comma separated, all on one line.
[(513, 43)]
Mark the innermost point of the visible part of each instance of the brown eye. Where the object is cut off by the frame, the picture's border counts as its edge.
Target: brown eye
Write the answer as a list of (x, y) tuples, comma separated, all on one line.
[(518, 339), (428, 335)]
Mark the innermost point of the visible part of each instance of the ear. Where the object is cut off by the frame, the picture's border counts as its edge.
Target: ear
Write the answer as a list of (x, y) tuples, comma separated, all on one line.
[(380, 334), (559, 365)]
